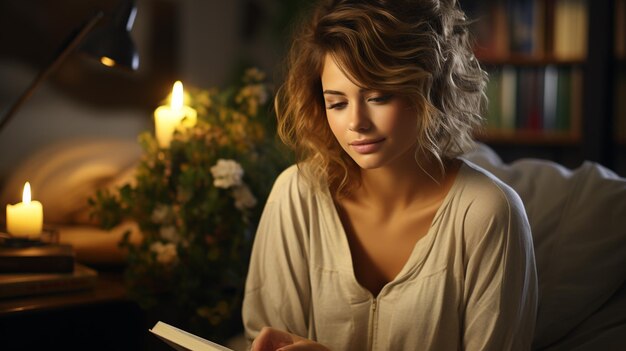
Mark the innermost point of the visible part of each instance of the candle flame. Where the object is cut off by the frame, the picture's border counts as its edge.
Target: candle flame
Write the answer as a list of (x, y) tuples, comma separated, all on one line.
[(26, 193), (177, 96)]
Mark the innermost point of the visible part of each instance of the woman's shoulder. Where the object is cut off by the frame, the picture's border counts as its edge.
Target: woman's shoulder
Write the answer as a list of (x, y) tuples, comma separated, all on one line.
[(480, 182), (293, 184), (487, 195), (288, 175), (295, 203)]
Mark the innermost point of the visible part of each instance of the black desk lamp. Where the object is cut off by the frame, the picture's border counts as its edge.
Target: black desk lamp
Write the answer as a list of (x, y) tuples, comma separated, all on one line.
[(110, 44)]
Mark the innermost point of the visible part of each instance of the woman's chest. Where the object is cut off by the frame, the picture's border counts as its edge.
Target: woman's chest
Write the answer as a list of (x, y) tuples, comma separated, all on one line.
[(380, 249)]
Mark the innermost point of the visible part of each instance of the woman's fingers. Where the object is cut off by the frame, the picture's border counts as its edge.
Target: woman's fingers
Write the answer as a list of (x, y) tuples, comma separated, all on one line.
[(270, 339), (304, 345)]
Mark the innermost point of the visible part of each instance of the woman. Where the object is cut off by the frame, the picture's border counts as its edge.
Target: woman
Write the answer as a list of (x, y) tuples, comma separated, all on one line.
[(381, 238)]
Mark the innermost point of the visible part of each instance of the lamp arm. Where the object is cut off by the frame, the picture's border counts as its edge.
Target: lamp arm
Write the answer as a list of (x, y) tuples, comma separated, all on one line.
[(88, 27)]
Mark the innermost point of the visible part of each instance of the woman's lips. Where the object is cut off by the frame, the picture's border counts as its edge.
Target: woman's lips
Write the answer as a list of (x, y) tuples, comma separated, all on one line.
[(367, 146)]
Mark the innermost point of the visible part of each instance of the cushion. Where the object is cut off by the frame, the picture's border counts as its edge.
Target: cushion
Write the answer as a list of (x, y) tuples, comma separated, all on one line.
[(578, 221), (65, 174)]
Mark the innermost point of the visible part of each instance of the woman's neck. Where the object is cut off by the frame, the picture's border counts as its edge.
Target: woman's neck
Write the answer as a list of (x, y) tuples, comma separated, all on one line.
[(404, 184)]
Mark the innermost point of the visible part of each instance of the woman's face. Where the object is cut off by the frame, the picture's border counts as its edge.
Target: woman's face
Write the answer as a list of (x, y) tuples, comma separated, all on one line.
[(376, 129)]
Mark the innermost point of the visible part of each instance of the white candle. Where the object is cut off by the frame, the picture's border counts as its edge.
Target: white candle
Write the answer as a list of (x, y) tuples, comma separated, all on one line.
[(25, 219), (168, 118)]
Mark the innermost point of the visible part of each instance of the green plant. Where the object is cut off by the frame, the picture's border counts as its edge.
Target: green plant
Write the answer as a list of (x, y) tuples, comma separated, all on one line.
[(197, 204)]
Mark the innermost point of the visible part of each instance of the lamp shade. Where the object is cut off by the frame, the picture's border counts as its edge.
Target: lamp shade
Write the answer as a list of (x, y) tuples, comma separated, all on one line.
[(111, 44)]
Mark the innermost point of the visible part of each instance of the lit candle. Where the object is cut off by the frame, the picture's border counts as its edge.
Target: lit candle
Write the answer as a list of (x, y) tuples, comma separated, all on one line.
[(25, 219), (168, 118)]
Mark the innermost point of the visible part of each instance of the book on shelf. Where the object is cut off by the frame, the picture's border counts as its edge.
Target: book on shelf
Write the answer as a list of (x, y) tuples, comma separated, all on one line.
[(550, 91), (570, 29), (563, 98), (184, 341), (535, 113), (576, 108), (490, 28), (523, 99), (526, 27), (534, 98), (529, 29), (508, 96), (494, 99), (37, 259), (25, 284)]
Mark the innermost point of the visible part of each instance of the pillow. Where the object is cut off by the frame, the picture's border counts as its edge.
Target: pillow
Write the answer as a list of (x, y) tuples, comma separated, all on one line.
[(578, 221), (65, 174)]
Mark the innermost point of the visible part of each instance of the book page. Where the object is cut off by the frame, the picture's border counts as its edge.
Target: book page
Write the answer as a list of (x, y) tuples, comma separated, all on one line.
[(184, 341)]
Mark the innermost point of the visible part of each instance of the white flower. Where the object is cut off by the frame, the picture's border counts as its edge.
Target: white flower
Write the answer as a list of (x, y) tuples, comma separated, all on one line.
[(166, 253), (243, 197), (160, 213), (226, 173), (170, 233)]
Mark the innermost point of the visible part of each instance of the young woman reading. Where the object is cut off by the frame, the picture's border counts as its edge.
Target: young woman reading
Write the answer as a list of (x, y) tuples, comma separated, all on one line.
[(381, 238)]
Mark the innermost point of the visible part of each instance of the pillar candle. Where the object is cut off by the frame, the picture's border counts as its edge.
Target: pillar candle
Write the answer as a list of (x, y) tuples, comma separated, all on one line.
[(168, 118), (25, 219)]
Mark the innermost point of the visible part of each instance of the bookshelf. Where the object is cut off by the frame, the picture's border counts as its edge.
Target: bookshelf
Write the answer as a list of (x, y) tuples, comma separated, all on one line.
[(551, 74)]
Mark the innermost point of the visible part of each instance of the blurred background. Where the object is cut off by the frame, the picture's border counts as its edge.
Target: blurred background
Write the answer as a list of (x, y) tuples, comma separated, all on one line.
[(207, 43), (203, 43)]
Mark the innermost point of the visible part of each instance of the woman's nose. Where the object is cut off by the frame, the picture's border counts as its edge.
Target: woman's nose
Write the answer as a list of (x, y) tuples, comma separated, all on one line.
[(359, 119)]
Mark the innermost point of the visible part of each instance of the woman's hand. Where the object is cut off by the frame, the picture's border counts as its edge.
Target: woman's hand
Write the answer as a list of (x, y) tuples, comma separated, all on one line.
[(271, 339)]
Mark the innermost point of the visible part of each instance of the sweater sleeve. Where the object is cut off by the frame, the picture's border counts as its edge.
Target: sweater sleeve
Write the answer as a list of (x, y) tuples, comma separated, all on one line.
[(500, 287), (277, 292)]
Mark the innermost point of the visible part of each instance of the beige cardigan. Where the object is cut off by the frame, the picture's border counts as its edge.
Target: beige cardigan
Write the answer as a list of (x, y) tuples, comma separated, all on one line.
[(469, 284)]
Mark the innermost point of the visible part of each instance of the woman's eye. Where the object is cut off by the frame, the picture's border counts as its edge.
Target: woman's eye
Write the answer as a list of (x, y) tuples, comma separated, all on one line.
[(380, 99), (336, 105)]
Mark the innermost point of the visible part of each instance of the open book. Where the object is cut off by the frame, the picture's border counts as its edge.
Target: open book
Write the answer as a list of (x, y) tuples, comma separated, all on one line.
[(184, 341)]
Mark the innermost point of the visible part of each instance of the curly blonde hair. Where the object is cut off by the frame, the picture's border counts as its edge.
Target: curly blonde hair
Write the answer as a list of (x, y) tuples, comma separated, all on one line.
[(419, 49)]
